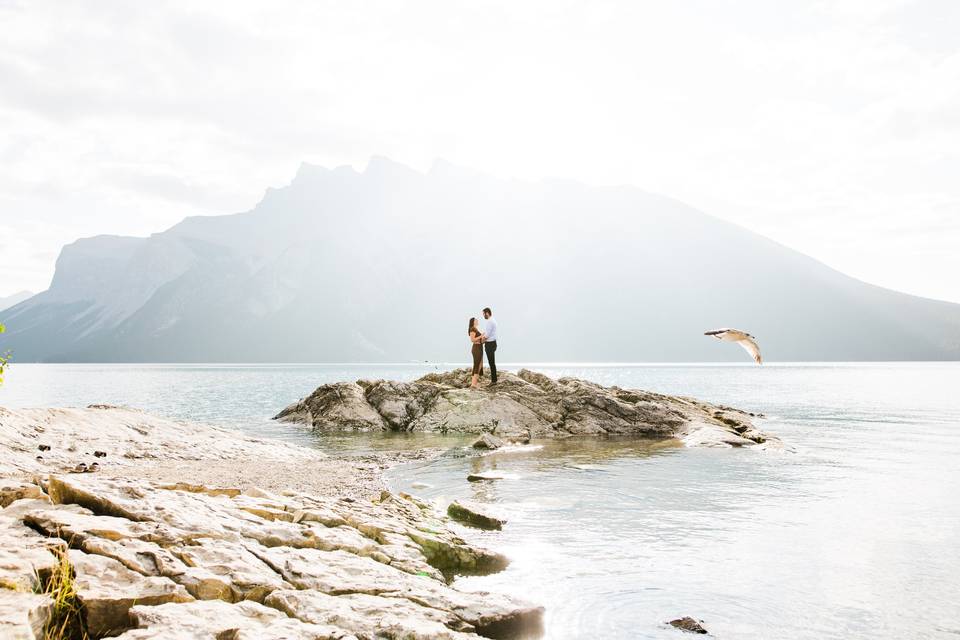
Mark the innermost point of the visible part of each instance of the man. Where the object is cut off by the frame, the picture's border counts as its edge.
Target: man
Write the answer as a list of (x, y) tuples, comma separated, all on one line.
[(490, 343)]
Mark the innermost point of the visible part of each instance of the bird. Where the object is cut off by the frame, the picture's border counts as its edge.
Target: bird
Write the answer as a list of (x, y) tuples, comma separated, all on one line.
[(744, 339)]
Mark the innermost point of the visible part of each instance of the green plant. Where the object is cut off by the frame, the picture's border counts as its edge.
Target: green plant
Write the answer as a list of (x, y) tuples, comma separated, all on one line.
[(67, 620)]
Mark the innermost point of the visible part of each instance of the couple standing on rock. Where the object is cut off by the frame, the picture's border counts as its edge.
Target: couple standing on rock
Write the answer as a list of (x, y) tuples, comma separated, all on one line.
[(483, 341)]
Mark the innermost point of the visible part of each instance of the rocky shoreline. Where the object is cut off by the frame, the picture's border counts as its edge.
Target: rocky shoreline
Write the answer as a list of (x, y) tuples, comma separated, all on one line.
[(141, 549), (114, 522), (522, 406)]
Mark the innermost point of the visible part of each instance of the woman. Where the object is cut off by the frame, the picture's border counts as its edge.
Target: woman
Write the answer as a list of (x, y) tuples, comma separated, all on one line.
[(476, 337)]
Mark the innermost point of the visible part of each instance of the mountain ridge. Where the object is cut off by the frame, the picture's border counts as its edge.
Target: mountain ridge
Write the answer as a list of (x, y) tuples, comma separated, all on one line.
[(386, 264), (14, 299)]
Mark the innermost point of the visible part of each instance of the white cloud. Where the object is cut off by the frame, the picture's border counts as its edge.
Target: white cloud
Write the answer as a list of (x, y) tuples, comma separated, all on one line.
[(833, 127)]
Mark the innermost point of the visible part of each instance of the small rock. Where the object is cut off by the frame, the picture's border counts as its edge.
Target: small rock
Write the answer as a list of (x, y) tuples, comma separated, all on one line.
[(487, 441), (523, 438), (474, 514), (486, 475), (44, 447), (688, 624), (13, 490)]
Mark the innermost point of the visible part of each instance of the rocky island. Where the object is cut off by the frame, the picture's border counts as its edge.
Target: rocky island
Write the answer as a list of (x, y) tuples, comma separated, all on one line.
[(522, 406), (141, 549)]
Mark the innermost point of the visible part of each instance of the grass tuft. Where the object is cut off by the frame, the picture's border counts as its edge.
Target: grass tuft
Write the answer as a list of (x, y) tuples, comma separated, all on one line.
[(67, 621)]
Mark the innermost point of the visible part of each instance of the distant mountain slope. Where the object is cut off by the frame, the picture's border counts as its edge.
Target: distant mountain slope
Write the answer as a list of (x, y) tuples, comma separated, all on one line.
[(16, 298), (388, 264)]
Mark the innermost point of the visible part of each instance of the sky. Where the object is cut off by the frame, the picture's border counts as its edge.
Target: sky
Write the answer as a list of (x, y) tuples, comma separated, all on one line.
[(831, 127)]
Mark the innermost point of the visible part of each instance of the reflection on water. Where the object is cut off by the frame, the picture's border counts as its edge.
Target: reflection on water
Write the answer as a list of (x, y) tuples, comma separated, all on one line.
[(367, 442), (615, 537), (854, 534)]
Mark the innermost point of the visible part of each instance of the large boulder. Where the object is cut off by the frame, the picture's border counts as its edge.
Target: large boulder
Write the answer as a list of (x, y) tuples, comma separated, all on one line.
[(522, 405), (342, 405)]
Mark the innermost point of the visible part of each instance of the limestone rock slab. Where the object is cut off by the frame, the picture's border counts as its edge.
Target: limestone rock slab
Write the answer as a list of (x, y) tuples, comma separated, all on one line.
[(370, 617), (25, 555), (23, 615), (12, 490), (217, 619), (108, 590), (340, 573)]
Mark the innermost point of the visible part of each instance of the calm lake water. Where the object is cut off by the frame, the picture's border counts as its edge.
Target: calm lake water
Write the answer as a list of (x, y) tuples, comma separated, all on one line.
[(854, 532)]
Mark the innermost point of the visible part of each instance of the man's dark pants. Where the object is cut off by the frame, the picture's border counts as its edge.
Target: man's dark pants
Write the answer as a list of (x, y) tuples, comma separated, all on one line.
[(491, 349)]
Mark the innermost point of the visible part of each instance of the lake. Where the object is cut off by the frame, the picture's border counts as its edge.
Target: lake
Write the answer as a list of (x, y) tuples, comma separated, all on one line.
[(852, 532)]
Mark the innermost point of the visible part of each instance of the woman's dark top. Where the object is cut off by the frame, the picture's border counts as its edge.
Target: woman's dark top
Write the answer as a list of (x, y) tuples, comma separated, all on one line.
[(477, 352)]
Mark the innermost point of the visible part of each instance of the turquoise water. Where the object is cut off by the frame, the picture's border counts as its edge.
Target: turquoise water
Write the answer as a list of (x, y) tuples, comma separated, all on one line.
[(854, 532)]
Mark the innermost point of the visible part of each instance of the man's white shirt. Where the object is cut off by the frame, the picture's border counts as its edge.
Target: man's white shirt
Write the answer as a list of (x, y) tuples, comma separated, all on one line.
[(491, 330)]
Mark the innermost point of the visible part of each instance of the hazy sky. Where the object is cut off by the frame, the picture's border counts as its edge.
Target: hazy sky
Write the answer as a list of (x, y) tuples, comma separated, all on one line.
[(832, 127)]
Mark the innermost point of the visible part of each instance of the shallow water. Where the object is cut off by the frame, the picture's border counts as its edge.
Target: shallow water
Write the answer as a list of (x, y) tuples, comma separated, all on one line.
[(852, 533)]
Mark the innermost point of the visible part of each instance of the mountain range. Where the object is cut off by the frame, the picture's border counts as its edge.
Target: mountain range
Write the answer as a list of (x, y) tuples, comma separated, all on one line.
[(389, 263)]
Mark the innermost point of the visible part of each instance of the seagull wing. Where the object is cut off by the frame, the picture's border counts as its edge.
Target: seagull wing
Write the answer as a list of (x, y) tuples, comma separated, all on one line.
[(752, 348)]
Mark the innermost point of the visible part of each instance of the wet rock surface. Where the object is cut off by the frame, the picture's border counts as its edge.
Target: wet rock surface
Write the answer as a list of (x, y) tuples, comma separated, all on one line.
[(688, 624), (475, 514), (522, 405), (488, 441)]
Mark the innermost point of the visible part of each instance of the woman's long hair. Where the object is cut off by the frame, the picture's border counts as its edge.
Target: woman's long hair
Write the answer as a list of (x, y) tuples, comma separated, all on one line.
[(473, 321)]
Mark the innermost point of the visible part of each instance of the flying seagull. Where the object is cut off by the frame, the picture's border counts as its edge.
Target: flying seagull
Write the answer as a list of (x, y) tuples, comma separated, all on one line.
[(744, 339)]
